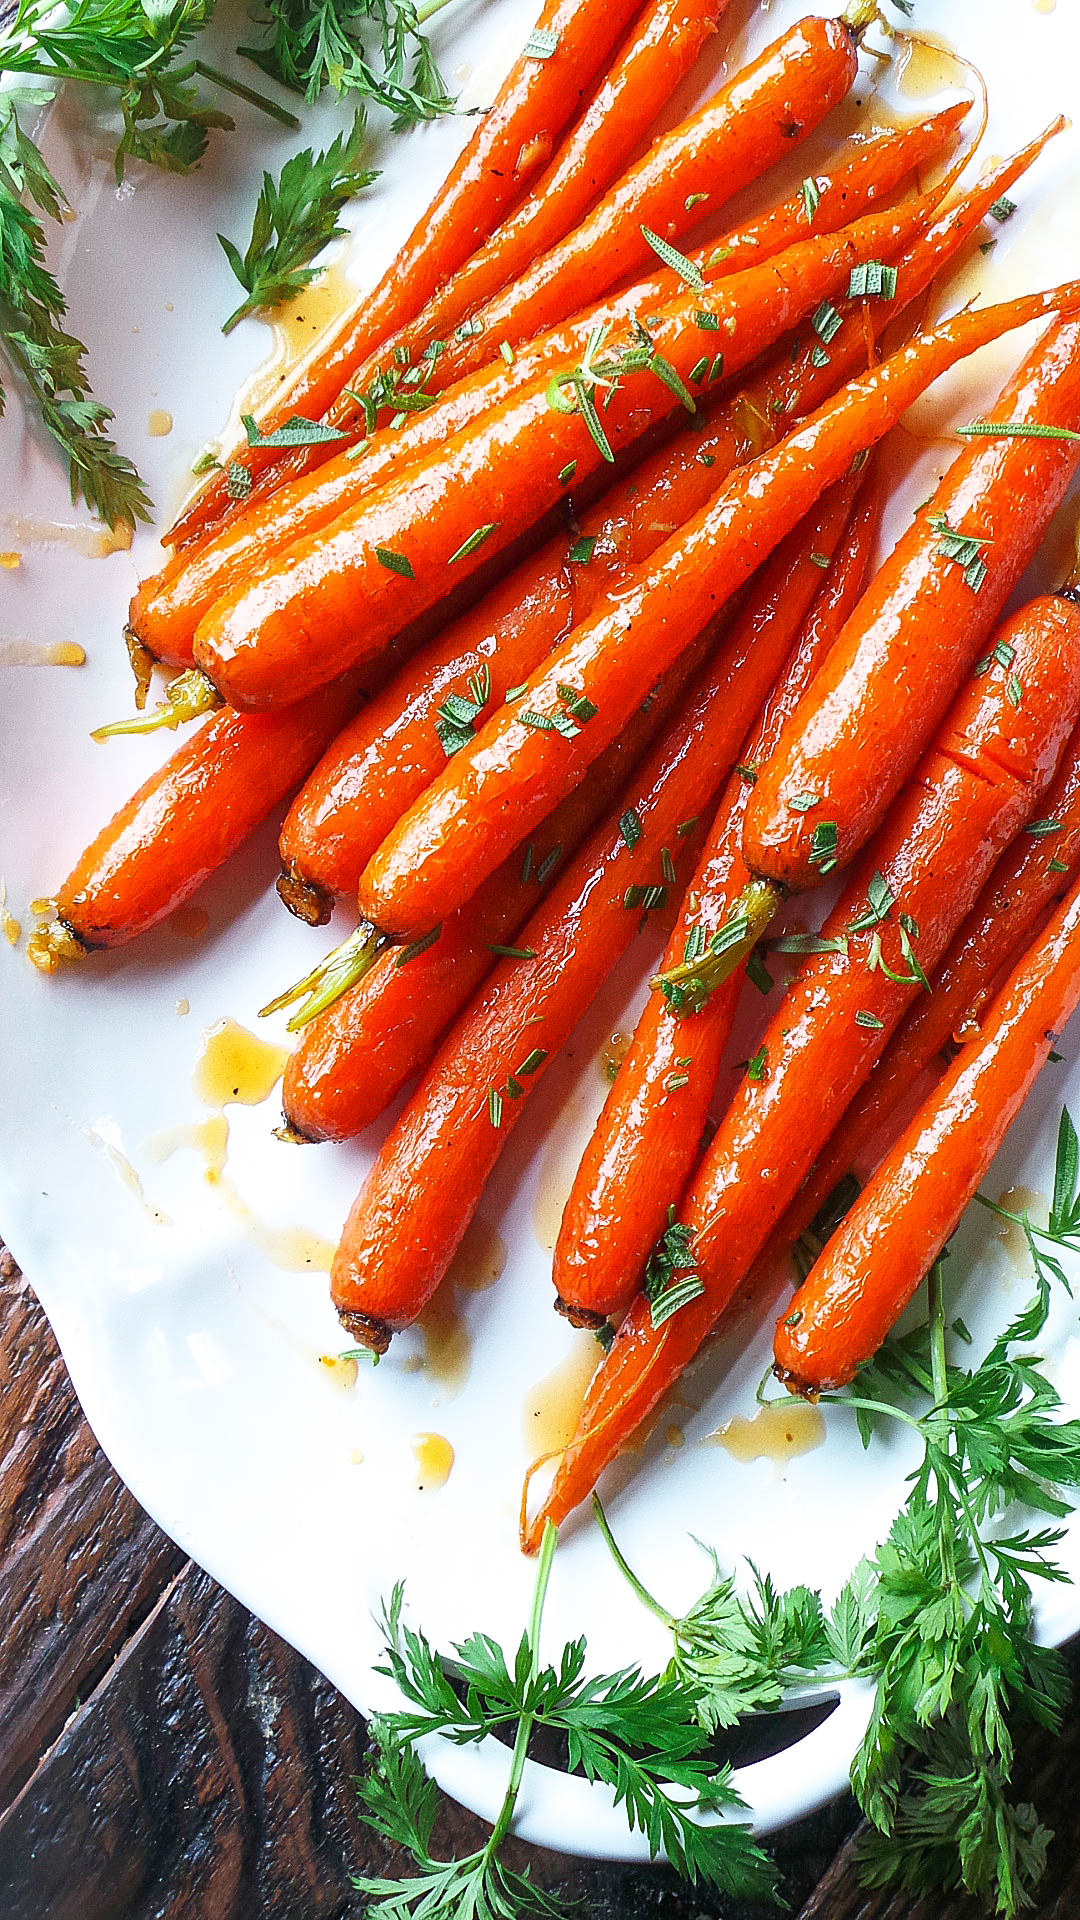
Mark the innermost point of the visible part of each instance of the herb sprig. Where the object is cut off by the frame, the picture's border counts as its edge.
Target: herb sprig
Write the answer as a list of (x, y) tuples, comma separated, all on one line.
[(296, 216), (638, 1735), (318, 44)]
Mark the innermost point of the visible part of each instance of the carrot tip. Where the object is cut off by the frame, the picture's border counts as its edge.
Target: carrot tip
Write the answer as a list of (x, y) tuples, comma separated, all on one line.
[(374, 1334), (580, 1316), (291, 1135), (305, 898)]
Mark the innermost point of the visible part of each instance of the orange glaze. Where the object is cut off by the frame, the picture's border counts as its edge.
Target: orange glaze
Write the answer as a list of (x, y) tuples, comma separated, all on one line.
[(878, 1257), (940, 838), (1022, 888), (497, 787), (647, 1138), (331, 603), (428, 1178), (192, 813), (510, 144), (352, 1059), (918, 630)]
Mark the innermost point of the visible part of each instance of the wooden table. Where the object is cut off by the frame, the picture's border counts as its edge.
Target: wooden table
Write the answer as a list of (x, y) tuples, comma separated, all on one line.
[(163, 1756)]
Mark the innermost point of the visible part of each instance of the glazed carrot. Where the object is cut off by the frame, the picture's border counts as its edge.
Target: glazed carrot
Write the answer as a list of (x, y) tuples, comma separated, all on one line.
[(881, 1253), (919, 629), (1031, 877), (863, 171), (420, 1194), (750, 122), (498, 785), (338, 596), (167, 607), (511, 144), (387, 756), (185, 820), (355, 1057), (940, 838), (646, 1140)]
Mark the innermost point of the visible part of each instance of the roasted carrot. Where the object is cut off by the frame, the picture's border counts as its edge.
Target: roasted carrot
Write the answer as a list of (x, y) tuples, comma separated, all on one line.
[(420, 1194), (760, 114), (646, 1140), (185, 820), (863, 171), (886, 1245), (918, 630), (895, 917), (510, 146), (167, 608), (729, 142), (1031, 877), (337, 597), (387, 756), (498, 785), (353, 1058)]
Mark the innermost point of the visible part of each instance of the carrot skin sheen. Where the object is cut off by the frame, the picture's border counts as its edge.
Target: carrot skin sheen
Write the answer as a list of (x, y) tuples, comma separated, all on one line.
[(331, 602), (192, 813), (383, 761), (510, 145), (762, 113), (918, 630), (167, 607), (353, 1059), (940, 838), (1022, 888), (512, 773), (409, 1218), (646, 1140), (883, 1249)]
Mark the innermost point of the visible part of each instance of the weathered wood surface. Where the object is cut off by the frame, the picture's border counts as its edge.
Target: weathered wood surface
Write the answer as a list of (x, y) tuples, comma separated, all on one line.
[(163, 1756)]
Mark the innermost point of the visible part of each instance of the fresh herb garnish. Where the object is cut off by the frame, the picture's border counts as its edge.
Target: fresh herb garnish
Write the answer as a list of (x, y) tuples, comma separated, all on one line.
[(475, 539), (964, 549), (1015, 430), (688, 271), (872, 279), (455, 723), (295, 217), (295, 432), (318, 44)]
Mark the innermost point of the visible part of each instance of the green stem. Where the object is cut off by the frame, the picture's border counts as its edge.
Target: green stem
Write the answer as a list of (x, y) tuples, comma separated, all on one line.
[(627, 1571), (526, 1720), (190, 695), (340, 970), (254, 99), (870, 1406), (428, 8)]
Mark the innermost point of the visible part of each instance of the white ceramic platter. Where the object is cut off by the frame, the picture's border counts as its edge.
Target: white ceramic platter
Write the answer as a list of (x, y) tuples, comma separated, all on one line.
[(195, 1354)]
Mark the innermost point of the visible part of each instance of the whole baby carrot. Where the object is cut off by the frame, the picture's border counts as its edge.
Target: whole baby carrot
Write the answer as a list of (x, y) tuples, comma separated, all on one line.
[(392, 750), (647, 1138), (420, 1194), (916, 881), (354, 1057), (520, 763), (510, 145), (896, 1229), (1031, 877), (338, 596), (918, 630), (185, 820), (748, 124), (167, 607)]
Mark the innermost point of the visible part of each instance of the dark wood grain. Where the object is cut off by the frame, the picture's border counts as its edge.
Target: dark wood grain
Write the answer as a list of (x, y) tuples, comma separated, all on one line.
[(164, 1756)]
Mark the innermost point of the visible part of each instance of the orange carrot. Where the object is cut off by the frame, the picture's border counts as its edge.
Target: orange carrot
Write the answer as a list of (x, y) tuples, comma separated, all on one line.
[(895, 1231), (355, 1056), (511, 775), (337, 597), (167, 607), (646, 1139), (185, 820), (1031, 877), (420, 1194), (894, 919), (918, 630), (509, 147)]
